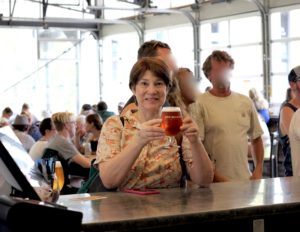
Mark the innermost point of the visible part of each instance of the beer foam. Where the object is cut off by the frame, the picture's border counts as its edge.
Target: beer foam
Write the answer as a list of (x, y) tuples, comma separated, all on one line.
[(58, 164), (171, 109)]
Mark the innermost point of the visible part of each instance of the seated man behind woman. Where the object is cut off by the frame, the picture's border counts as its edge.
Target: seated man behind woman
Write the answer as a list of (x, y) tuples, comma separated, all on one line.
[(134, 155), (62, 142)]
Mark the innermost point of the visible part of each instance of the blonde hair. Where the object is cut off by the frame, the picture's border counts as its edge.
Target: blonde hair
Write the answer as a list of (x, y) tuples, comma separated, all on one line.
[(258, 100), (61, 118)]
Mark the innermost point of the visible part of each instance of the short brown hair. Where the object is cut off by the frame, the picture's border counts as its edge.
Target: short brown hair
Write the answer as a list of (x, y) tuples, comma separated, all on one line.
[(218, 56), (96, 120), (149, 48), (154, 65)]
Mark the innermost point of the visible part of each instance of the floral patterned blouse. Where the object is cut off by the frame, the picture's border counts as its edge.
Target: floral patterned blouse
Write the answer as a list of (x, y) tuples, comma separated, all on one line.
[(156, 166)]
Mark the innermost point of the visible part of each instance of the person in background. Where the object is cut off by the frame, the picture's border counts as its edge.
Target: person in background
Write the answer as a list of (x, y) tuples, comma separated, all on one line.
[(288, 96), (158, 49), (133, 154), (47, 130), (294, 137), (25, 110), (103, 112), (33, 129), (62, 142), (81, 134), (6, 114), (86, 109), (120, 107), (226, 121), (260, 103), (286, 113), (20, 126), (93, 127)]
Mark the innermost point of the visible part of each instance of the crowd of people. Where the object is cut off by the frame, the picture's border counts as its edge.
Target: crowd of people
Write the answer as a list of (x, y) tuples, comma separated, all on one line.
[(219, 129)]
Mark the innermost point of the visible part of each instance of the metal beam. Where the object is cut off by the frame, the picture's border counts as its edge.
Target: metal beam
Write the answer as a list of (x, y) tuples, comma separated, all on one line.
[(89, 24), (265, 16), (187, 14)]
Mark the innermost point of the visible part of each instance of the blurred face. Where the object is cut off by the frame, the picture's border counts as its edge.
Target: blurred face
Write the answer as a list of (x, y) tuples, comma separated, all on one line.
[(88, 127), (167, 56), (220, 73), (187, 85), (51, 132), (80, 127), (150, 92), (295, 87), (71, 127)]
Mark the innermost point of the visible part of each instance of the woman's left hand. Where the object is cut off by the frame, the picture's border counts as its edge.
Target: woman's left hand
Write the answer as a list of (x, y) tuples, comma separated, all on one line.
[(190, 129)]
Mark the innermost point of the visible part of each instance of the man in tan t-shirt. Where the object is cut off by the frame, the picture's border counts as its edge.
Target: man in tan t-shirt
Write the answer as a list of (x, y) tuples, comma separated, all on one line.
[(226, 121)]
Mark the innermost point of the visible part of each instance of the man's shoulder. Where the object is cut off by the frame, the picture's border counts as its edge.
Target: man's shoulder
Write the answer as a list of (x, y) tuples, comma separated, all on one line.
[(241, 97), (203, 97), (56, 141)]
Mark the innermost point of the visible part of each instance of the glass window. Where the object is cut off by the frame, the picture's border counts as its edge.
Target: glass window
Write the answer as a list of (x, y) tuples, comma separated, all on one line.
[(180, 39), (245, 30), (279, 86), (247, 62), (294, 23), (245, 48), (284, 50), (214, 34), (116, 66), (61, 84), (279, 57)]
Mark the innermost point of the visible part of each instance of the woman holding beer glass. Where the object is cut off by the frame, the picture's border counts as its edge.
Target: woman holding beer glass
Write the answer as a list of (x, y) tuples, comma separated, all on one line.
[(132, 152)]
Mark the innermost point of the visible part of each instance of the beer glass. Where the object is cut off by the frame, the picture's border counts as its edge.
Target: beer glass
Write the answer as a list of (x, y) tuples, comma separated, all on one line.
[(59, 172), (171, 122)]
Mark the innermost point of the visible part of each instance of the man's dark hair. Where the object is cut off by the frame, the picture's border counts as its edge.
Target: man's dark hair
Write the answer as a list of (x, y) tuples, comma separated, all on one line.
[(96, 120), (46, 124), (86, 107), (149, 48), (7, 110), (101, 106)]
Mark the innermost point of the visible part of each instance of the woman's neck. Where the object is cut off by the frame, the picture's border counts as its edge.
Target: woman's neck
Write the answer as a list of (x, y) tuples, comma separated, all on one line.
[(95, 133), (146, 116)]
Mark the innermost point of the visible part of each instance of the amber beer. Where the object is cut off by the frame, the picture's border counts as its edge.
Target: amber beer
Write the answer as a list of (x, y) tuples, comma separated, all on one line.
[(171, 120), (59, 174)]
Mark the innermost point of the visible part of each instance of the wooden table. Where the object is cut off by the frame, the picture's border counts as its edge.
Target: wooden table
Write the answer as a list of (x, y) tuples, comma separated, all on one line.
[(263, 205)]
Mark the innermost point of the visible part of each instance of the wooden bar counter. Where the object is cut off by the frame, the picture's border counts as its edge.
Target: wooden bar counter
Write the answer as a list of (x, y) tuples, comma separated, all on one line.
[(263, 205)]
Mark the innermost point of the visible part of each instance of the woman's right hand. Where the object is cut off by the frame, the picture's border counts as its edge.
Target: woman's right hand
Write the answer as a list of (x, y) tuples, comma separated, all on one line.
[(149, 131)]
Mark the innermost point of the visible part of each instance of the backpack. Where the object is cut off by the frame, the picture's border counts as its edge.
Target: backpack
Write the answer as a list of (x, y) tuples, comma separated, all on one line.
[(94, 183)]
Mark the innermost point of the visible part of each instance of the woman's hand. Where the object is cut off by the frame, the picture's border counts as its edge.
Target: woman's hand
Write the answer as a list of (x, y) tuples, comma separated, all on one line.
[(190, 129), (149, 131)]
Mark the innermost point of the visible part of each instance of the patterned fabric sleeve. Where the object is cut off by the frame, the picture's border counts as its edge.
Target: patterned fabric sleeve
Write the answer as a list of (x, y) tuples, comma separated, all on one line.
[(186, 151), (110, 139)]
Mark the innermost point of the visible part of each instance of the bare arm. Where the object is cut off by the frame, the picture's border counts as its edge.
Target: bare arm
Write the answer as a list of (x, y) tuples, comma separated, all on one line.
[(77, 143), (201, 170), (258, 157), (81, 160), (286, 115), (113, 171)]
